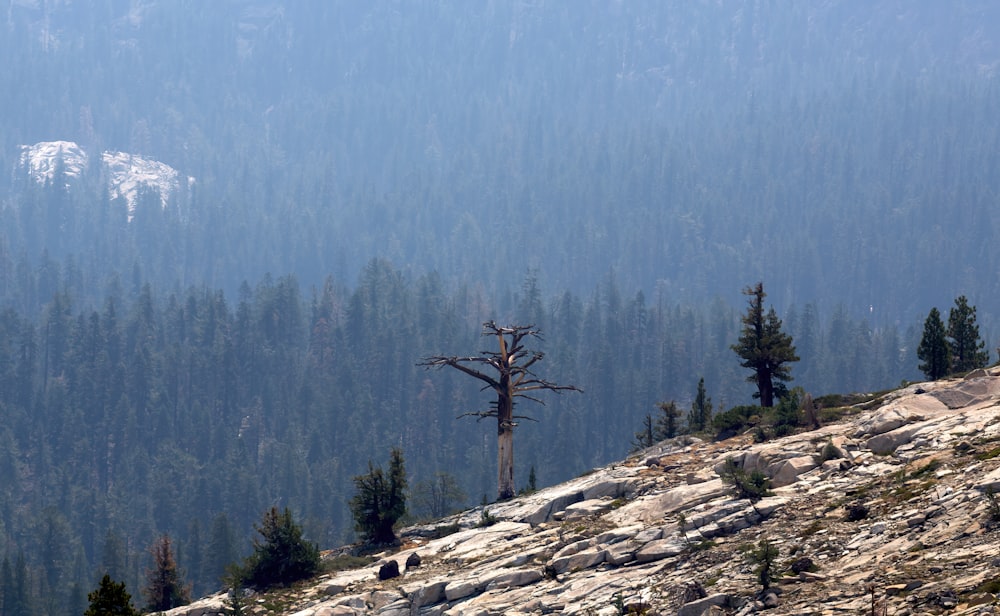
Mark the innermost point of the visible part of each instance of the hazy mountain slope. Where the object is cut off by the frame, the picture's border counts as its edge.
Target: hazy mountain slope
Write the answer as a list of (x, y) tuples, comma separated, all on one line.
[(690, 147)]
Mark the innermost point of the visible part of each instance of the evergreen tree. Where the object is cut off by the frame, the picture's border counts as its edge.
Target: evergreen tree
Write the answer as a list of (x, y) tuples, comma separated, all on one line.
[(934, 350), (764, 348), (110, 599), (967, 350), (164, 588), (281, 556), (701, 410), (646, 437), (666, 423), (380, 500)]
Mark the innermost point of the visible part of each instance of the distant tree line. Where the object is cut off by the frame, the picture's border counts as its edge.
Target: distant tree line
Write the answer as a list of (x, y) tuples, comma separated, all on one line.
[(182, 413)]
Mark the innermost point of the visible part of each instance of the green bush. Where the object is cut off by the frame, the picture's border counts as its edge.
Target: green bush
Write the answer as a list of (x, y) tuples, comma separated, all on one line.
[(753, 485), (281, 556), (735, 420)]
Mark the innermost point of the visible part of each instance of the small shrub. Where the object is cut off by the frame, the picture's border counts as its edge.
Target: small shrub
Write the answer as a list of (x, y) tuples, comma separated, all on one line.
[(753, 485), (988, 455), (787, 414), (814, 527), (764, 556), (856, 512), (486, 519), (991, 586), (735, 420), (927, 469), (803, 564), (911, 489), (829, 452), (346, 562), (237, 601), (993, 506)]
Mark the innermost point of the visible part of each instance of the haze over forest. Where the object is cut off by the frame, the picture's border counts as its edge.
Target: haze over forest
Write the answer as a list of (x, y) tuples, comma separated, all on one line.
[(371, 181)]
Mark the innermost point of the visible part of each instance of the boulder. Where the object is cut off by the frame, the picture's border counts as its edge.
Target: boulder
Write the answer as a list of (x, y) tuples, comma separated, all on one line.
[(659, 549), (388, 570), (572, 548), (619, 553), (887, 418), (685, 497), (968, 392), (336, 610), (513, 579), (461, 589), (545, 510), (586, 508), (578, 561), (381, 598), (425, 593), (990, 482), (787, 472), (701, 606), (888, 442), (400, 607), (616, 535)]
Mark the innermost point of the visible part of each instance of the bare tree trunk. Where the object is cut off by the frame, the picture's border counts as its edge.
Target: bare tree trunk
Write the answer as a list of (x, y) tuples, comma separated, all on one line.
[(505, 463), (505, 440)]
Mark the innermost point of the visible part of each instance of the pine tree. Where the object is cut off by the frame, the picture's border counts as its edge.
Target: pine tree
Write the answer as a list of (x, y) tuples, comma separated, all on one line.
[(164, 589), (701, 410), (646, 437), (281, 556), (764, 348), (666, 423), (110, 599), (380, 500), (934, 350), (967, 350)]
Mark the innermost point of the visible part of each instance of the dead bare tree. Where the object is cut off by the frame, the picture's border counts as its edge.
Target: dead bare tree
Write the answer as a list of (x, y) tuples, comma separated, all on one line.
[(508, 373)]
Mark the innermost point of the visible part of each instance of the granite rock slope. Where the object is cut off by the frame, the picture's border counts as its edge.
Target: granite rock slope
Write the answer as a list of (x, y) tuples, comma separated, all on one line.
[(889, 510)]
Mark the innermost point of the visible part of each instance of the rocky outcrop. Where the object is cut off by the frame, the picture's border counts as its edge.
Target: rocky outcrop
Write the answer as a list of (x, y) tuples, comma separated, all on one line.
[(891, 508)]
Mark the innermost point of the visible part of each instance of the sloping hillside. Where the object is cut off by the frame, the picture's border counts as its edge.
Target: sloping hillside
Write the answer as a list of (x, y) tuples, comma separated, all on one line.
[(888, 510)]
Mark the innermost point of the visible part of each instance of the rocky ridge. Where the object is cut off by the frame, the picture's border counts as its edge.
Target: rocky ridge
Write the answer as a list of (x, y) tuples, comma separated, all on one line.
[(126, 175), (889, 510)]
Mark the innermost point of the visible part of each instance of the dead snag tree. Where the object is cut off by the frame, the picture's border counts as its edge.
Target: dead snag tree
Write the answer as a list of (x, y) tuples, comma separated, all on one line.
[(508, 373)]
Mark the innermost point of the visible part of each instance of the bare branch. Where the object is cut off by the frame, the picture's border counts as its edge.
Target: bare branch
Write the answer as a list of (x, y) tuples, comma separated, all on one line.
[(457, 363), (480, 415)]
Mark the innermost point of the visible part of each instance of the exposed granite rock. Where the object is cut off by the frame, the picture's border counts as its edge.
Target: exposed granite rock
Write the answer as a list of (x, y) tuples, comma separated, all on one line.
[(642, 532)]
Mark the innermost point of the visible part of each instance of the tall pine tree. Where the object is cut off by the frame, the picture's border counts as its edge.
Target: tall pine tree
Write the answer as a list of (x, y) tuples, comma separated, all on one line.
[(934, 350), (967, 350), (164, 587), (764, 348), (700, 415)]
